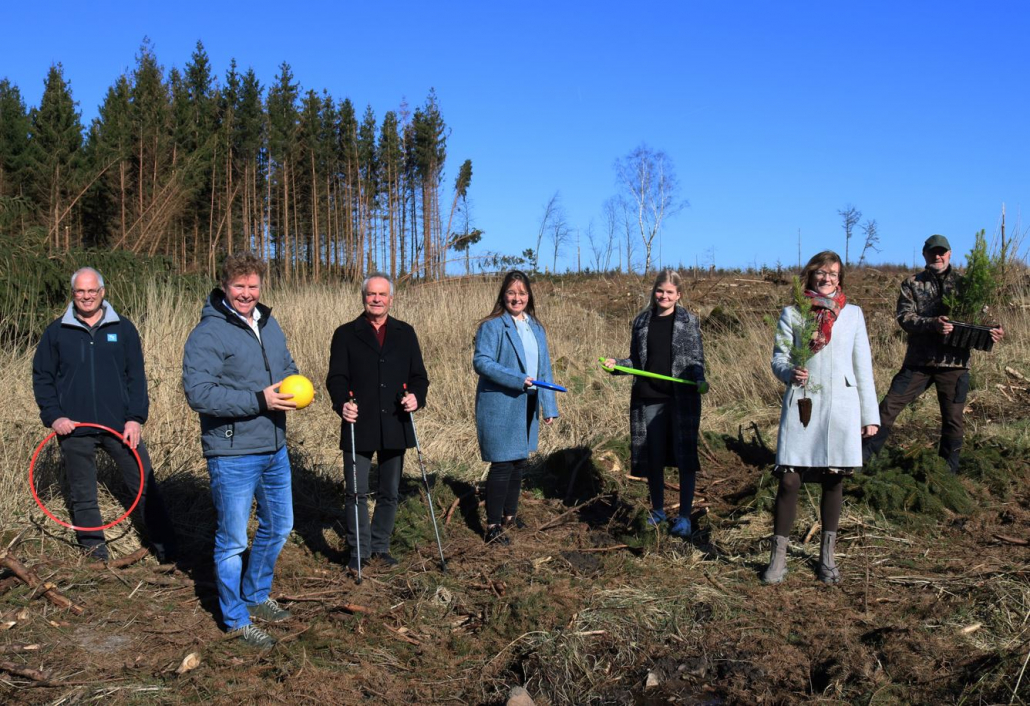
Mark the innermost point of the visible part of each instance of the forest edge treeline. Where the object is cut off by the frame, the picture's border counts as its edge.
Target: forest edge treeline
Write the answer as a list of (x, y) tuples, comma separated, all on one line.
[(186, 167)]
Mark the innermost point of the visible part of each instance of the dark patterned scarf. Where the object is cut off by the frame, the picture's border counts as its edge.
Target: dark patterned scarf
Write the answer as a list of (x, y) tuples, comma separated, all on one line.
[(825, 310)]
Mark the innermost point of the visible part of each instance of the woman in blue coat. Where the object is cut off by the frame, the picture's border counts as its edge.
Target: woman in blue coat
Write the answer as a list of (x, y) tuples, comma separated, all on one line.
[(511, 352)]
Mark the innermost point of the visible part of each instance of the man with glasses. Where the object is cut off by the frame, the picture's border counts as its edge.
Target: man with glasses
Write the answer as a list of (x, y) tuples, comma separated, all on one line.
[(928, 359), (88, 367)]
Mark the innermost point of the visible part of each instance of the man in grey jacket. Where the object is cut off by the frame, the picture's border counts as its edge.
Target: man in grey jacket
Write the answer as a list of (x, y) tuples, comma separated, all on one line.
[(232, 366)]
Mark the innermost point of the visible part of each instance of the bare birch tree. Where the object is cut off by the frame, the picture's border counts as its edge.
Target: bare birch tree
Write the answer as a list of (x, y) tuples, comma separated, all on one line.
[(652, 189), (553, 205)]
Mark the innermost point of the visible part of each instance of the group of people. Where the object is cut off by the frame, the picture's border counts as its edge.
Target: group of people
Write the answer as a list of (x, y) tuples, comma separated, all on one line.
[(88, 369)]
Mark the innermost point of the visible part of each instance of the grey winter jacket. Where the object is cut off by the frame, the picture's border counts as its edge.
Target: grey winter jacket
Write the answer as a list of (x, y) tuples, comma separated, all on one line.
[(688, 363), (225, 369)]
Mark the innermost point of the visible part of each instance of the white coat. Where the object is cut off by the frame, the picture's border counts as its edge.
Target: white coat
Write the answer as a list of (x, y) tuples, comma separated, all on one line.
[(843, 403)]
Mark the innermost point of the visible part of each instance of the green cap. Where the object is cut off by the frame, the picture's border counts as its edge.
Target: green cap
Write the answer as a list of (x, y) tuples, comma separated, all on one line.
[(936, 241)]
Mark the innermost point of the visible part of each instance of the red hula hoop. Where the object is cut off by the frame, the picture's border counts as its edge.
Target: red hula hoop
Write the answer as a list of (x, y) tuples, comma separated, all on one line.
[(32, 484)]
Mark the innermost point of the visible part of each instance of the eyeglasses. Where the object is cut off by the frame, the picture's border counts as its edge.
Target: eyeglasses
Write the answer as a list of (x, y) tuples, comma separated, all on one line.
[(80, 293), (827, 275)]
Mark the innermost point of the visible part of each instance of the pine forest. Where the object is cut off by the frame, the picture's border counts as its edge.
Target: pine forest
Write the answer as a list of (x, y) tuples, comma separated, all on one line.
[(183, 165)]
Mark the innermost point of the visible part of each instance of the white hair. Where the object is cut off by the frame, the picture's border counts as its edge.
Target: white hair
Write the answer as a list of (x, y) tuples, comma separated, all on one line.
[(376, 275), (84, 270)]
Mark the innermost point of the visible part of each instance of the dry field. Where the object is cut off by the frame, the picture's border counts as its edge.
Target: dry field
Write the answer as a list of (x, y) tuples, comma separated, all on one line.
[(587, 604)]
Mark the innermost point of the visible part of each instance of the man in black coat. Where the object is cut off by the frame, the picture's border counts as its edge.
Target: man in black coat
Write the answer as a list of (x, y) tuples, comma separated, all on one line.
[(371, 359), (88, 367)]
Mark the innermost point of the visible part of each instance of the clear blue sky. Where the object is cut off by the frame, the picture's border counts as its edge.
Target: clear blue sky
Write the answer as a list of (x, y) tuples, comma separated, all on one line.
[(775, 114)]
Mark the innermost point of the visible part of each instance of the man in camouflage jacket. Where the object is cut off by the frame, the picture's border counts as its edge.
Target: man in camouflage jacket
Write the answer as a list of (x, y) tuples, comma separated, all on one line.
[(928, 359)]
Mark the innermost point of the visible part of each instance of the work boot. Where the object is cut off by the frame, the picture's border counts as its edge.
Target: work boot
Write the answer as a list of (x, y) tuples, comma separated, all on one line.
[(777, 568), (827, 570)]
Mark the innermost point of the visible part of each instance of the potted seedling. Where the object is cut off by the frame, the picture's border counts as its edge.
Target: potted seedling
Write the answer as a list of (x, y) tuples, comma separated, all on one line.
[(799, 347), (968, 306)]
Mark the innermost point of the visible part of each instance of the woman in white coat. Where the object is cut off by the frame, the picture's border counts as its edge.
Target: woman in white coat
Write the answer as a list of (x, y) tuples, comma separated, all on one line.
[(838, 378)]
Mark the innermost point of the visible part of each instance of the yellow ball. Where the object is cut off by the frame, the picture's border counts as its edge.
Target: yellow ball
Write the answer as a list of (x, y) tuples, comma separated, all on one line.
[(301, 389)]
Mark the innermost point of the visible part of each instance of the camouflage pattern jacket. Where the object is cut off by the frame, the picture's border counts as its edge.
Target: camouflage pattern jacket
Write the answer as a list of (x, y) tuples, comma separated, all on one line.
[(919, 305)]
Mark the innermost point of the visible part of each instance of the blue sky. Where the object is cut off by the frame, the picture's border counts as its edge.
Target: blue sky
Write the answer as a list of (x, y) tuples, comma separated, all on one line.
[(775, 114)]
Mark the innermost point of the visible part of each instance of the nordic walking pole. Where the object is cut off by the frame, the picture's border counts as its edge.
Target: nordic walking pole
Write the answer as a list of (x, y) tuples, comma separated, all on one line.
[(429, 494), (354, 480)]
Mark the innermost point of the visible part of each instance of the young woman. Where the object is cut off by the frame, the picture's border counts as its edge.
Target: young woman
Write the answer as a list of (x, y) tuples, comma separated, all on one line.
[(839, 380), (664, 417), (511, 352)]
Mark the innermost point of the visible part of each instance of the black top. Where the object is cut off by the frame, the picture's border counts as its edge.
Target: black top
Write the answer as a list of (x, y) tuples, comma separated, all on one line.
[(376, 375), (659, 360)]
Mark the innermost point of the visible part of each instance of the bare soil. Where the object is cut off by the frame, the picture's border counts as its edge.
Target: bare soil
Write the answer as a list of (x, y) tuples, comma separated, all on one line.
[(582, 607)]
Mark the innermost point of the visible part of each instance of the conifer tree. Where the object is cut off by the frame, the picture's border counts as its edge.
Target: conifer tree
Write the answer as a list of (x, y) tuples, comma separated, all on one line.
[(14, 139), (54, 157)]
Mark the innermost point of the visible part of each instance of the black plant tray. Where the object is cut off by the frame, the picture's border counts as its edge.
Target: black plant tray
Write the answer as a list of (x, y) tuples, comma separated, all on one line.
[(974, 336)]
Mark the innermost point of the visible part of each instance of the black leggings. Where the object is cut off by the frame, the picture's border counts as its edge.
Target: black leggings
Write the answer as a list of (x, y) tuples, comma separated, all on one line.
[(787, 502), (503, 485)]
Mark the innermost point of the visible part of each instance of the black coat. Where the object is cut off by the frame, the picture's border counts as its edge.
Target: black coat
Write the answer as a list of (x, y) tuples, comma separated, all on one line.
[(376, 377)]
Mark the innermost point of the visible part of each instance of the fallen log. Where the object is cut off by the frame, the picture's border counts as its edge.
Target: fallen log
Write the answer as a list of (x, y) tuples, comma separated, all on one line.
[(33, 581), (33, 674), (129, 559)]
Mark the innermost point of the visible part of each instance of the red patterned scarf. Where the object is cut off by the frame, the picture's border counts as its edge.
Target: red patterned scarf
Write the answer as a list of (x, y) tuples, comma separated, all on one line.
[(825, 310)]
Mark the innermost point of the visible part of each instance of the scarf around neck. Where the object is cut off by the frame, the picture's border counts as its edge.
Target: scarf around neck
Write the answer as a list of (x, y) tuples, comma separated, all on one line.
[(825, 310)]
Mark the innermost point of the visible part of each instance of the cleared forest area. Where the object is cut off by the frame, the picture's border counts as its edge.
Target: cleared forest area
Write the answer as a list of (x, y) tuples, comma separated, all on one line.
[(587, 605)]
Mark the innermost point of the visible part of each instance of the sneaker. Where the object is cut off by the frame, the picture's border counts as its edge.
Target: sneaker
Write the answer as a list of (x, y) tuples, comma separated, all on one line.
[(254, 636), (656, 517), (681, 528), (353, 563), (269, 611), (514, 523), (384, 557), (496, 535)]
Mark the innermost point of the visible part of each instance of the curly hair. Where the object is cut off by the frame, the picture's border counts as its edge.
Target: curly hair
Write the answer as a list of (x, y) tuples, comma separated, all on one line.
[(242, 264)]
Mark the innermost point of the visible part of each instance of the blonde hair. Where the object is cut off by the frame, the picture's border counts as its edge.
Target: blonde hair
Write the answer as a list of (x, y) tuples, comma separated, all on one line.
[(668, 275)]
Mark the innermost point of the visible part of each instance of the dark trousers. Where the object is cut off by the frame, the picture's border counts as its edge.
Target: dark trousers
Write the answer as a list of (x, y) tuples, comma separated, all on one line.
[(504, 480), (503, 486), (375, 536), (911, 381), (659, 419), (81, 470)]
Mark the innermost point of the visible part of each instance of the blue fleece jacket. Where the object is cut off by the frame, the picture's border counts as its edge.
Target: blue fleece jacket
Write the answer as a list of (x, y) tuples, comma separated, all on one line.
[(89, 375)]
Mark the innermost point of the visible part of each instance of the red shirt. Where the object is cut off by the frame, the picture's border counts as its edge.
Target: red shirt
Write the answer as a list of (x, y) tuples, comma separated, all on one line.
[(380, 332)]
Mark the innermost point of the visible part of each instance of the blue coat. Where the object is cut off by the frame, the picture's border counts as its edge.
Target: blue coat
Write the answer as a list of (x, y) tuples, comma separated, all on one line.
[(501, 400)]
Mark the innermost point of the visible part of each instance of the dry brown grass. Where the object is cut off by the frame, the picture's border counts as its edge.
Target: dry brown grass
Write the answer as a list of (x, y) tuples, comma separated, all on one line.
[(583, 321)]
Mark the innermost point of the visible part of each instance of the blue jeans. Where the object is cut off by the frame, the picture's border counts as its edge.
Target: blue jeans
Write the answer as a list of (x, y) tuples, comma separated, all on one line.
[(236, 481)]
